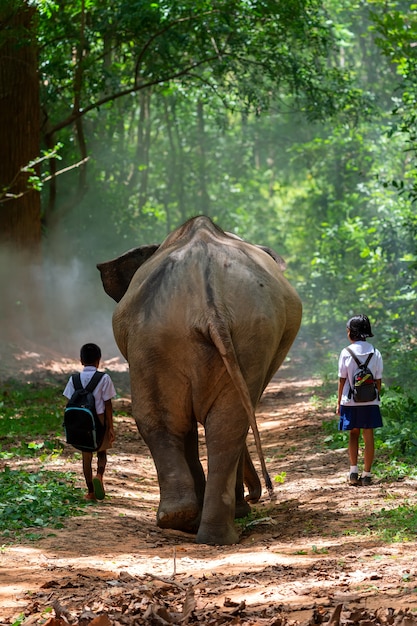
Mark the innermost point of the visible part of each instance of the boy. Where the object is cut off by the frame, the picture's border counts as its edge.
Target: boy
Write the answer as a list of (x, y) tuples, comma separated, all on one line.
[(90, 356)]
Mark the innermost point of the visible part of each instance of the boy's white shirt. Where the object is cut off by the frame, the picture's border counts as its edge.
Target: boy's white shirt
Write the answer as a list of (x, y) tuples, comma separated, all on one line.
[(347, 367), (104, 391)]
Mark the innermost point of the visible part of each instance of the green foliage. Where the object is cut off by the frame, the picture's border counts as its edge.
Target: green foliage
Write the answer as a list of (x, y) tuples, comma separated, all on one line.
[(256, 517), (30, 420), (395, 30), (280, 478), (30, 424), (395, 442), (395, 525), (334, 439), (19, 620), (241, 50), (200, 107), (399, 435), (34, 181), (36, 500), (166, 98)]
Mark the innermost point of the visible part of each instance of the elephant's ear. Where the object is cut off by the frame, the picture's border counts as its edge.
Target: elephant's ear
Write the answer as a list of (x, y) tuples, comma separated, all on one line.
[(117, 273), (277, 258)]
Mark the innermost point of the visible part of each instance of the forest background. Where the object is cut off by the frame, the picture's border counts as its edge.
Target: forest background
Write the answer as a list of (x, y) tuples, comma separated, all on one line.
[(291, 124)]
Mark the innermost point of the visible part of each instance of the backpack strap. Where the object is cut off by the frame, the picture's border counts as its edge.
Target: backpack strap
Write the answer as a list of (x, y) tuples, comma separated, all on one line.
[(95, 379), (368, 359), (353, 355), (76, 381), (92, 384)]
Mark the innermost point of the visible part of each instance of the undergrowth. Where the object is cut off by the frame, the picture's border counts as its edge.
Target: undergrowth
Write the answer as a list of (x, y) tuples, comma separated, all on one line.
[(30, 420), (30, 426), (395, 442), (33, 500), (395, 456), (395, 525)]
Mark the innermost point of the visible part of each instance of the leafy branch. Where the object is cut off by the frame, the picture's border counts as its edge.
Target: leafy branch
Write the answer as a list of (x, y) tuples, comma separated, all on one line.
[(35, 181)]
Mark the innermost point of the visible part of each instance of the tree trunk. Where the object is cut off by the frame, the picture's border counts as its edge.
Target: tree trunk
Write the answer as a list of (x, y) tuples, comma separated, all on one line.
[(20, 208), (140, 173), (203, 197), (145, 98), (179, 172)]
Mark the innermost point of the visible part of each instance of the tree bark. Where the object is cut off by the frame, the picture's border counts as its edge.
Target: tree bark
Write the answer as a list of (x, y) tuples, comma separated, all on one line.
[(20, 207), (203, 197), (140, 172)]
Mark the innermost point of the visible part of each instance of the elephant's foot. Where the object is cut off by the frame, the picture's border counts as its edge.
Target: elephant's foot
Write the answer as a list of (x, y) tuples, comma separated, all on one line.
[(254, 495), (223, 535), (242, 509), (185, 517)]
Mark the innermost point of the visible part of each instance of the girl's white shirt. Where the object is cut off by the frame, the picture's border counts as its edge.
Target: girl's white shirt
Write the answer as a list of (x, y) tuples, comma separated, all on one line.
[(104, 391), (347, 367)]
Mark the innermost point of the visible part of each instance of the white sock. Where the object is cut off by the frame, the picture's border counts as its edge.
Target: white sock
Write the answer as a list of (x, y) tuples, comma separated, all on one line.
[(365, 474), (354, 469)]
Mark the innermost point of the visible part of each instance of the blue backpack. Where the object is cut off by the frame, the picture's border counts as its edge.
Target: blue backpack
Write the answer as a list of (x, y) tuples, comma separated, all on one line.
[(83, 428)]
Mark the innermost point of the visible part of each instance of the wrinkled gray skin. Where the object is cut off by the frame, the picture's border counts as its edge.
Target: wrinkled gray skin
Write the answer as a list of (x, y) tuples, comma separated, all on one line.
[(204, 321)]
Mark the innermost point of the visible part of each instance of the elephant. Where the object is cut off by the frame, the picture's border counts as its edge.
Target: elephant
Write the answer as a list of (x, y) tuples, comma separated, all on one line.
[(204, 321)]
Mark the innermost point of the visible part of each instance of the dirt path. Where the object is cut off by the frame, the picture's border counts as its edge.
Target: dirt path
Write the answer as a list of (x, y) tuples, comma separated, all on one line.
[(299, 560)]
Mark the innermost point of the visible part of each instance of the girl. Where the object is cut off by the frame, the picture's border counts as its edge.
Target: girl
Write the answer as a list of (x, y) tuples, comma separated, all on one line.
[(366, 415)]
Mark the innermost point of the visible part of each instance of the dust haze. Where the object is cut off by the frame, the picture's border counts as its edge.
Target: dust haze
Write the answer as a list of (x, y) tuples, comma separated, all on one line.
[(52, 307)]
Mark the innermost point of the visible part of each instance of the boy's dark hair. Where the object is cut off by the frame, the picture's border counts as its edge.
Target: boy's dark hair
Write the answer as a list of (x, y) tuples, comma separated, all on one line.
[(359, 327), (90, 353)]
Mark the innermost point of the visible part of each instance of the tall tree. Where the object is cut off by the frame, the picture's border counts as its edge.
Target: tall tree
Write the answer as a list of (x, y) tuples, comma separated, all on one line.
[(244, 52), (395, 23), (20, 213)]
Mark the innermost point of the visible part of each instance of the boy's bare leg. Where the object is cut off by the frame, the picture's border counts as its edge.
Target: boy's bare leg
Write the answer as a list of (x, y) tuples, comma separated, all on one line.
[(88, 473), (98, 480), (101, 462)]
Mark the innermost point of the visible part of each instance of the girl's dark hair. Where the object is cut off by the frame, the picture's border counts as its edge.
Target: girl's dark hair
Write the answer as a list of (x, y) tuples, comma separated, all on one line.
[(90, 353), (359, 327)]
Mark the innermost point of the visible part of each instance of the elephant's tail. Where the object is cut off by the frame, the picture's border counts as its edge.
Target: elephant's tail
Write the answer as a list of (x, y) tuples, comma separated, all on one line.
[(224, 345)]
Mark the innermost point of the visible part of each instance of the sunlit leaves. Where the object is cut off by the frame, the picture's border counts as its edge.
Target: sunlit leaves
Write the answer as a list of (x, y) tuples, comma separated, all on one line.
[(397, 38), (398, 524), (36, 499), (30, 419)]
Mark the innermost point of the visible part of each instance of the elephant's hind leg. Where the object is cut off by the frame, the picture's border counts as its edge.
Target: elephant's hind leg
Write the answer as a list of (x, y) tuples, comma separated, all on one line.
[(242, 507), (225, 439), (179, 508), (185, 512)]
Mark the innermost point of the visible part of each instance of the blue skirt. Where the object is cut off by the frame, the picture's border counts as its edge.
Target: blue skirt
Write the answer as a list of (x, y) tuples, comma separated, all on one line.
[(360, 417)]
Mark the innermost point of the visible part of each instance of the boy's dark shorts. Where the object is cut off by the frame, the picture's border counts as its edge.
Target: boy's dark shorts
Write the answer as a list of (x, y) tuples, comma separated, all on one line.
[(360, 417)]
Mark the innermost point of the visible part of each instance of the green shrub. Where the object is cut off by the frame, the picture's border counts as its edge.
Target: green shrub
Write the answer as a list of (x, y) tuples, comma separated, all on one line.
[(30, 419), (36, 500), (395, 442), (399, 524)]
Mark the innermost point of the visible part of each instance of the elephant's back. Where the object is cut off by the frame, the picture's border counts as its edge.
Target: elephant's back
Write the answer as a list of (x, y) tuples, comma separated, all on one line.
[(182, 283), (175, 297)]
